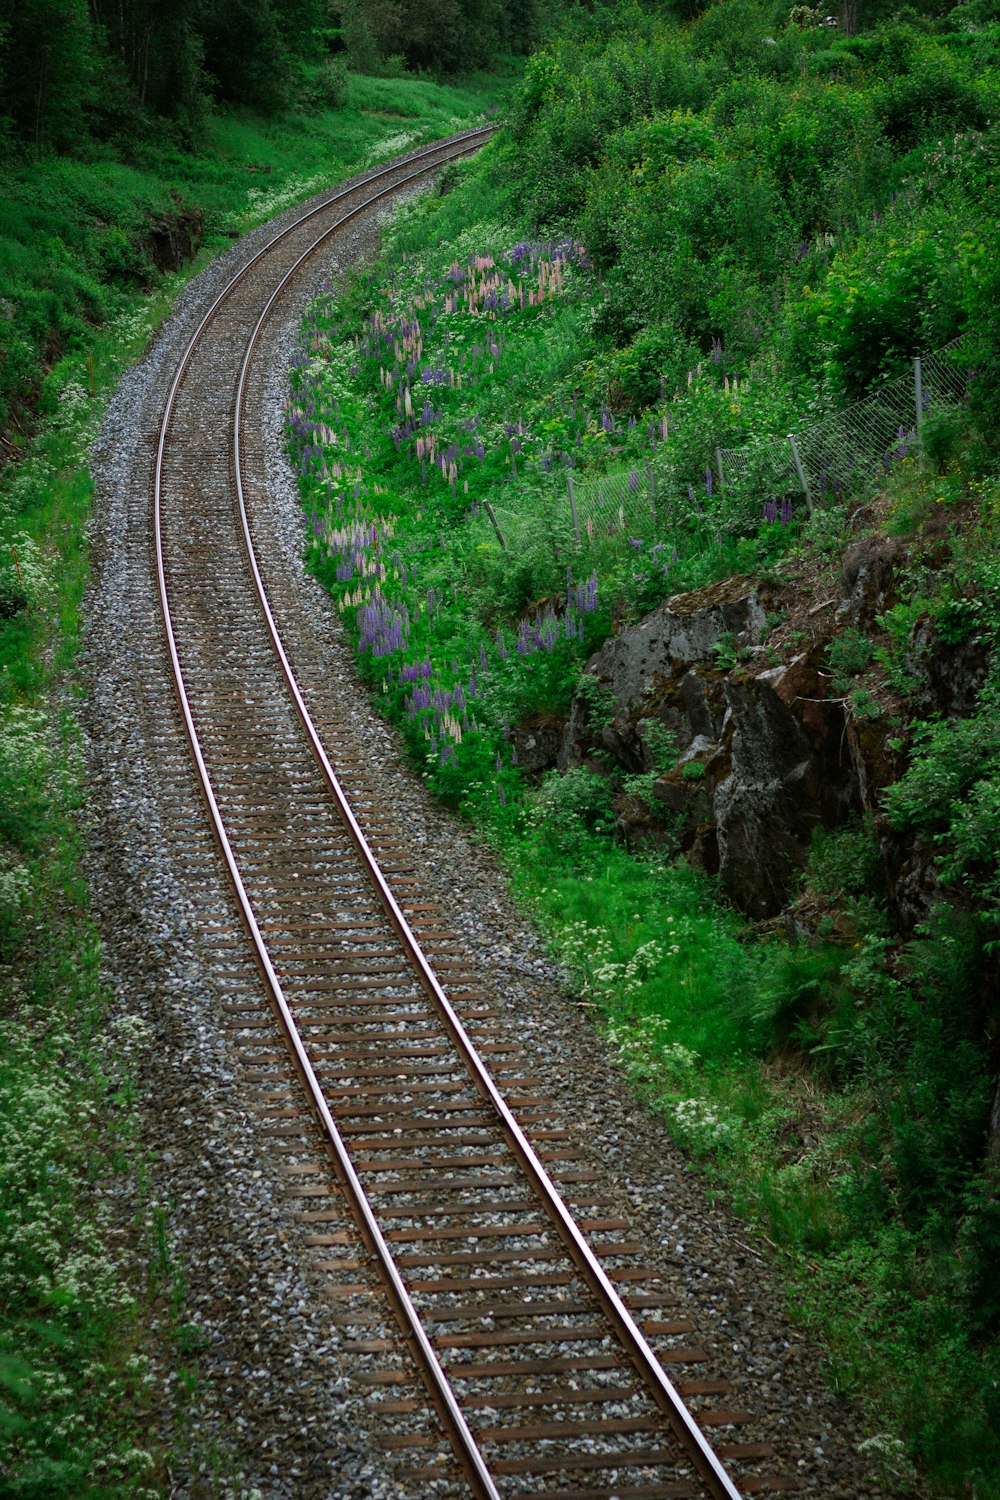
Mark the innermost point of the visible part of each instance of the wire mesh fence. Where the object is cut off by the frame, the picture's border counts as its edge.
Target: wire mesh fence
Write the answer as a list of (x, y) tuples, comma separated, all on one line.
[(763, 478), (849, 446)]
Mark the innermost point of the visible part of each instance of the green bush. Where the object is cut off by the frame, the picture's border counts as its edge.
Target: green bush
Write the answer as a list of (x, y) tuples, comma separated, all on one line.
[(570, 804), (847, 655), (845, 862), (330, 88)]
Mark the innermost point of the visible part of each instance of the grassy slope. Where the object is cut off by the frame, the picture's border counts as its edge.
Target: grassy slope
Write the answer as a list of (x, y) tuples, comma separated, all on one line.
[(71, 1329), (836, 1089)]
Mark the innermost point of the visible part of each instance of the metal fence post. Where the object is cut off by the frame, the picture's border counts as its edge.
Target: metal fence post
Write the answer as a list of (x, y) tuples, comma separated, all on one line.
[(494, 523), (800, 471), (718, 465), (572, 505), (918, 390)]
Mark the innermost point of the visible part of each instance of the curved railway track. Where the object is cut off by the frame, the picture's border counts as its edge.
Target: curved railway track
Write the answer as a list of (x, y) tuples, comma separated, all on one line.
[(542, 1352)]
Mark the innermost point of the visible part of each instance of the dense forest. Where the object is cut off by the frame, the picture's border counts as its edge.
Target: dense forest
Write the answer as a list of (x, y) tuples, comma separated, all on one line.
[(101, 69), (700, 227)]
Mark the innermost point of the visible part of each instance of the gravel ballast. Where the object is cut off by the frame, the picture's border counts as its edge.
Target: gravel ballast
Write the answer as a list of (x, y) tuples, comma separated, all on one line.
[(275, 1400)]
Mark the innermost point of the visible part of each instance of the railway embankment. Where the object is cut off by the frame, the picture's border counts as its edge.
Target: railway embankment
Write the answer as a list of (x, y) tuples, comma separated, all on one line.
[(242, 1210)]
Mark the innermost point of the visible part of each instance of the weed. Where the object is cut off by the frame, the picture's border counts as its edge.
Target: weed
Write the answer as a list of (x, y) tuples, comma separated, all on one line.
[(864, 705), (848, 654)]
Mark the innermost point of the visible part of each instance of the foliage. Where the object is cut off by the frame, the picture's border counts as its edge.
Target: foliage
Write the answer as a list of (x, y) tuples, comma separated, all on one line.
[(74, 1379), (76, 245), (950, 791), (566, 807)]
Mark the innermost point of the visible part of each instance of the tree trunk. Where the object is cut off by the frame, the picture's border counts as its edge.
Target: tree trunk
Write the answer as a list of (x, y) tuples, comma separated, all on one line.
[(38, 102), (145, 64)]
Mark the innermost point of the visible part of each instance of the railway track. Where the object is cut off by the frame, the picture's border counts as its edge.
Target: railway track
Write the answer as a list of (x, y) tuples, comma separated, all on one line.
[(533, 1346)]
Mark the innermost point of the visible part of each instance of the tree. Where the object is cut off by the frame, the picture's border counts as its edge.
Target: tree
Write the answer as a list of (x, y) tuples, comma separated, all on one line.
[(245, 55), (158, 50), (50, 67)]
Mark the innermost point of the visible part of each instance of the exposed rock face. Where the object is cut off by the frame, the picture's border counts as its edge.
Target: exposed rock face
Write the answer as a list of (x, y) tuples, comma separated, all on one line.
[(754, 746), (647, 667), (537, 741), (762, 752), (790, 771), (869, 576), (175, 238)]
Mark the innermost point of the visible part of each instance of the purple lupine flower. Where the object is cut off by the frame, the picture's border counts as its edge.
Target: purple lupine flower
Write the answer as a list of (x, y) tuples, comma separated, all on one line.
[(770, 512), (786, 511), (591, 604), (708, 483), (633, 481)]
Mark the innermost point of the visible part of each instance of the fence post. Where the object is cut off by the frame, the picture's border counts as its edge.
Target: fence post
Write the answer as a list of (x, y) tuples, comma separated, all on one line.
[(494, 523), (918, 390), (718, 465), (651, 476), (800, 471), (572, 505)]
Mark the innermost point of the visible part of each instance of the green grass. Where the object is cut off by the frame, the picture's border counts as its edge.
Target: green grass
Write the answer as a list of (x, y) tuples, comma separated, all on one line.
[(73, 1385), (72, 230)]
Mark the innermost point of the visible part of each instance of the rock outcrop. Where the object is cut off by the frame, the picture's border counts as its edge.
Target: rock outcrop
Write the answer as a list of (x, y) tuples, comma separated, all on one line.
[(762, 752), (174, 238), (728, 699)]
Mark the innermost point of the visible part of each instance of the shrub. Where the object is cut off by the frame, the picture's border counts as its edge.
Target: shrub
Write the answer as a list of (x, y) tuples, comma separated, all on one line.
[(847, 655), (570, 804), (844, 862), (330, 87)]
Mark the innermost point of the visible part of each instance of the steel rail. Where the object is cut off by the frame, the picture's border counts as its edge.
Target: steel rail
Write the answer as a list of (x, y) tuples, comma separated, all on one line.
[(649, 1367), (631, 1338), (460, 1434)]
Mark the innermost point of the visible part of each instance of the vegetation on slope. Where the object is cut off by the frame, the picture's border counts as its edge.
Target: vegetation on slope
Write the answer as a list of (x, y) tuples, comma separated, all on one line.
[(690, 236)]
